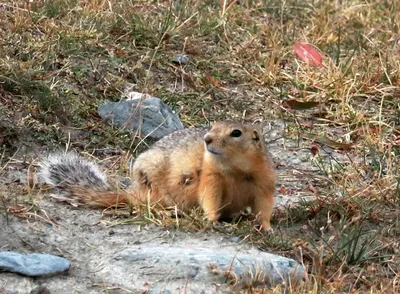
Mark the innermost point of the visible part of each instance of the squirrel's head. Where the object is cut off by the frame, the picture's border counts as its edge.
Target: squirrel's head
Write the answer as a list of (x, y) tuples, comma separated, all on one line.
[(234, 144)]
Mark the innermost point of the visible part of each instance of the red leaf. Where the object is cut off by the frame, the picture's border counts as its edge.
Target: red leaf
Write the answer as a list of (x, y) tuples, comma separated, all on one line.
[(213, 81), (308, 53), (314, 150)]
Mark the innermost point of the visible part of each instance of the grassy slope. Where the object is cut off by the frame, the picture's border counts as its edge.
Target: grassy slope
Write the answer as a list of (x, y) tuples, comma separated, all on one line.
[(60, 59)]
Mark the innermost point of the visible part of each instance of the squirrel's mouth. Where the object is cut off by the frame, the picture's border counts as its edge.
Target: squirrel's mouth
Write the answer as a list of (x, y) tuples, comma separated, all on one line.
[(213, 151)]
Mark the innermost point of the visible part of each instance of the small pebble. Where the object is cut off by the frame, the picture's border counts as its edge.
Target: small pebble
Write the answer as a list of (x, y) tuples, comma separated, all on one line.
[(180, 59), (235, 239)]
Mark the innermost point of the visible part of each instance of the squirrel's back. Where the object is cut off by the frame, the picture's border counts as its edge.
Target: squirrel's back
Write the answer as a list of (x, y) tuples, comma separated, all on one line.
[(170, 169)]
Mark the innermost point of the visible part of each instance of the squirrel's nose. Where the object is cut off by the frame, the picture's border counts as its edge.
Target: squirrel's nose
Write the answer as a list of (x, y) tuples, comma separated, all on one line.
[(207, 139)]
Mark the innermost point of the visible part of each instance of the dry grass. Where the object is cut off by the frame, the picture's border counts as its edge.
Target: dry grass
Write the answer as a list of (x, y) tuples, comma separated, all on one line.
[(59, 59)]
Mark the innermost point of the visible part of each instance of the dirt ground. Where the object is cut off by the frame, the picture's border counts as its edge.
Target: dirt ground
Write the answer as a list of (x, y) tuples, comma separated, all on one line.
[(90, 241)]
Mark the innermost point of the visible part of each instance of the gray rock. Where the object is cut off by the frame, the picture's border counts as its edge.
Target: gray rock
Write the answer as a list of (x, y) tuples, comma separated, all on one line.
[(199, 268), (32, 265), (155, 118), (180, 59)]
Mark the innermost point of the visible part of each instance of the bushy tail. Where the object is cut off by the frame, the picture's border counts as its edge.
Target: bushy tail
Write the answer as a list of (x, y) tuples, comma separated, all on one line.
[(81, 179)]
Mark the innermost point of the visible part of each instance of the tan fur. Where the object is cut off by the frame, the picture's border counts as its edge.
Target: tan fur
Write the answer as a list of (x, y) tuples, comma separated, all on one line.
[(222, 176)]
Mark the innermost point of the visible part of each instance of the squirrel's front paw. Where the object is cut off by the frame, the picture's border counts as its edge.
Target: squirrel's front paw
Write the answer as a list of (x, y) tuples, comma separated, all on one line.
[(266, 227), (212, 216)]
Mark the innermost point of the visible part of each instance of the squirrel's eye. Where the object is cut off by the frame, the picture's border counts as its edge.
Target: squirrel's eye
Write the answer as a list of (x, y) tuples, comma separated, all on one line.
[(236, 133)]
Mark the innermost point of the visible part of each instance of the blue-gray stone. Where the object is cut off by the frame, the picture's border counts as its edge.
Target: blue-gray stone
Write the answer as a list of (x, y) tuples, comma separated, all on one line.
[(32, 265), (154, 117)]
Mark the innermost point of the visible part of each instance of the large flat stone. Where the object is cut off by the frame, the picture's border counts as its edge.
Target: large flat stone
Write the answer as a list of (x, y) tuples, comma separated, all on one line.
[(198, 269)]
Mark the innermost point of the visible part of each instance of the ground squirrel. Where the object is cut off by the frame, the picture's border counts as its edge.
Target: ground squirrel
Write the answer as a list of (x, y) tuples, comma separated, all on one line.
[(222, 170)]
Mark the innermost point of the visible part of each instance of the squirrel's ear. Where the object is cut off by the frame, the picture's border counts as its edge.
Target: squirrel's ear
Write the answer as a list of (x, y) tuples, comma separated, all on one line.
[(257, 138)]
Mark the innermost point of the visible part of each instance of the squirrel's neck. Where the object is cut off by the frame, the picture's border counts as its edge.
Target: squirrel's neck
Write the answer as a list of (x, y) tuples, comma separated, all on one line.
[(239, 165)]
